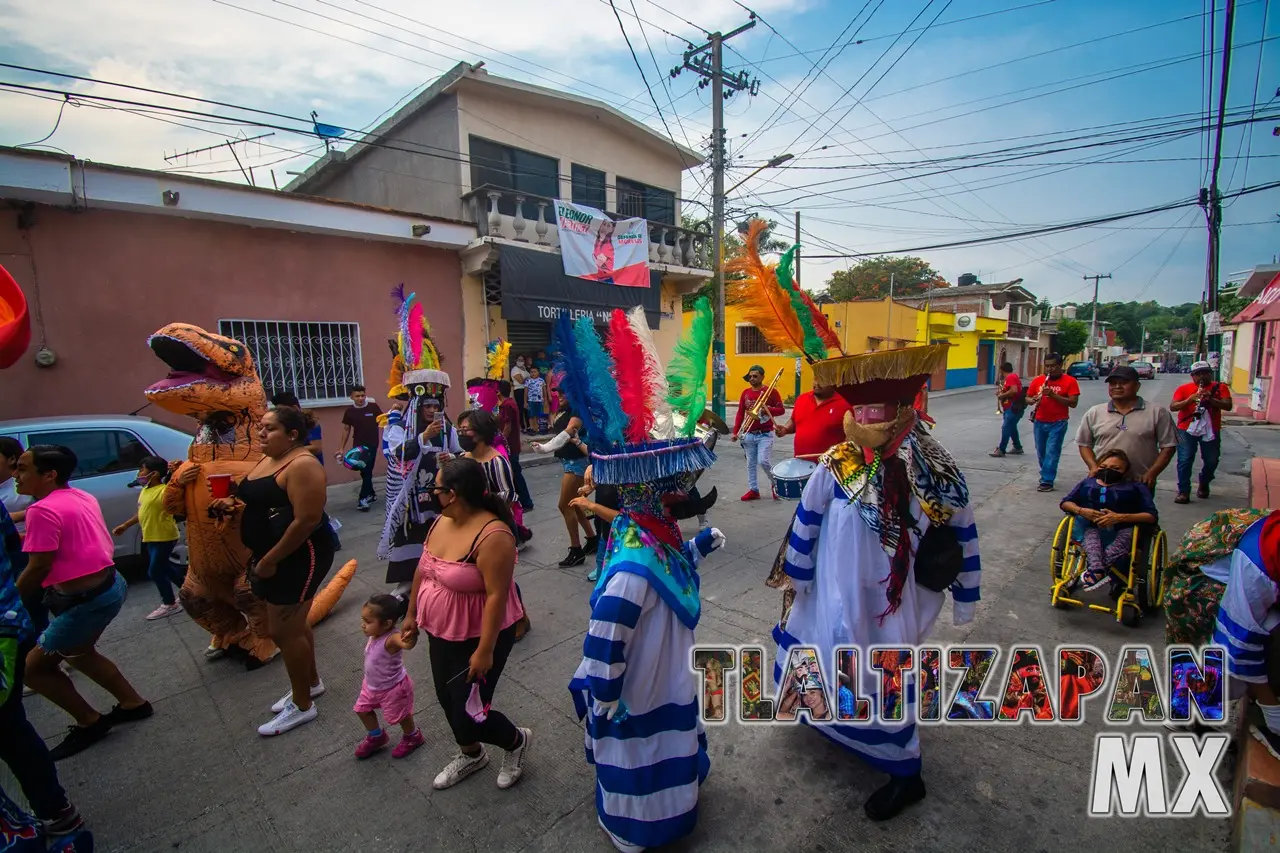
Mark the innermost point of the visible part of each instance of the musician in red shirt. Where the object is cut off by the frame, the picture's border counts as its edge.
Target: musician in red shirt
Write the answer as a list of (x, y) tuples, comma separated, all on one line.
[(757, 440), (817, 421)]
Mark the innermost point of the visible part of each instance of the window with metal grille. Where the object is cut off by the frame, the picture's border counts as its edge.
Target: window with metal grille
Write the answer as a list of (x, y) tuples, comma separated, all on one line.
[(646, 202), (317, 361), (751, 342)]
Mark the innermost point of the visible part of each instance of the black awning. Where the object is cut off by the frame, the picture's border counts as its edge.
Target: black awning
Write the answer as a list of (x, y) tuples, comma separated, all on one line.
[(534, 287)]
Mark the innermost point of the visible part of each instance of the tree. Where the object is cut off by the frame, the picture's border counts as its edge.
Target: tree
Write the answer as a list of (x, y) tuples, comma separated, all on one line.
[(1072, 336), (869, 278), (1044, 306)]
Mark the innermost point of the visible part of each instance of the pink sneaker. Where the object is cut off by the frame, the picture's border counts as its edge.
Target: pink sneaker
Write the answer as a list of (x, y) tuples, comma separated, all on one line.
[(371, 744), (164, 611), (407, 744)]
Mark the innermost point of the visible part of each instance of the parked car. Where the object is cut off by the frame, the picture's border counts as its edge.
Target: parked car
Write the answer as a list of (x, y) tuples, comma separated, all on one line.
[(1145, 369), (1105, 368), (1083, 370), (109, 450)]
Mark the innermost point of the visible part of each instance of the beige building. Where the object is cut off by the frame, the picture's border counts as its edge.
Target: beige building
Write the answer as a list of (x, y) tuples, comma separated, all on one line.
[(496, 153), (1018, 343)]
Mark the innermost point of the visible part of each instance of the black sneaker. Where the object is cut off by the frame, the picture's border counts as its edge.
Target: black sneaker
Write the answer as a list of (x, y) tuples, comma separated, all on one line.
[(1045, 487), (575, 557), (80, 738), (118, 715), (591, 545)]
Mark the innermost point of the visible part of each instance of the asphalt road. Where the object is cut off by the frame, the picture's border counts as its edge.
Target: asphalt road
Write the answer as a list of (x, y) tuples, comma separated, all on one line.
[(197, 777)]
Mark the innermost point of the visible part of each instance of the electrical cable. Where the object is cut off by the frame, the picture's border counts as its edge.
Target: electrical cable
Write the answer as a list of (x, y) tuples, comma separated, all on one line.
[(49, 135)]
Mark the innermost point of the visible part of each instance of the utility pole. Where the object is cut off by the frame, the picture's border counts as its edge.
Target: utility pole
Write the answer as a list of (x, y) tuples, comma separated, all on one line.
[(1211, 200), (795, 275), (707, 62), (888, 322), (1093, 328)]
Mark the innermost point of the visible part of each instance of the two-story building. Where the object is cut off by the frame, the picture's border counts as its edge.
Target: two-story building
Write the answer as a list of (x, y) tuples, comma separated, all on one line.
[(498, 152), (1015, 340)]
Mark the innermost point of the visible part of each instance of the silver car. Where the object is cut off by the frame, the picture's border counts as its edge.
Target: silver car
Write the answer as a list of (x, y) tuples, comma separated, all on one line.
[(109, 448)]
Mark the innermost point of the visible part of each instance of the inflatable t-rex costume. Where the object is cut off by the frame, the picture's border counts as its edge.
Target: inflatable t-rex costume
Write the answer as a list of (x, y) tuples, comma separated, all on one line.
[(213, 379)]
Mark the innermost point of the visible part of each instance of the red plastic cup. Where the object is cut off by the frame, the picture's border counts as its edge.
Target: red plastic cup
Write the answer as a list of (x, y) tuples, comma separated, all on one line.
[(220, 485)]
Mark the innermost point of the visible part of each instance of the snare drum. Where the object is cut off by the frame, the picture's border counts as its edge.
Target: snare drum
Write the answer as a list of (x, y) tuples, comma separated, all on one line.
[(790, 476)]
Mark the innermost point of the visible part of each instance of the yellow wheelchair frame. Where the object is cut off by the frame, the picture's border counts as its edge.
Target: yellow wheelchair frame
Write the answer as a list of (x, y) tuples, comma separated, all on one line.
[(1143, 585)]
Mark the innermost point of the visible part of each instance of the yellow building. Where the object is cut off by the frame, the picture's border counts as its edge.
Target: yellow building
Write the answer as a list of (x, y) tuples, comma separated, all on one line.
[(975, 352)]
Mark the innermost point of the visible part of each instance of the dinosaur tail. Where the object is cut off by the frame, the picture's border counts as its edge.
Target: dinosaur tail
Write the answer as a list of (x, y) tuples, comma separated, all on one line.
[(324, 601)]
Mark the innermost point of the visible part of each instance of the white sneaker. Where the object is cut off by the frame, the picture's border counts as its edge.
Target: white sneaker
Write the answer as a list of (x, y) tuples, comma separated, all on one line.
[(513, 762), (460, 768), (316, 691), (621, 845), (164, 611), (289, 718)]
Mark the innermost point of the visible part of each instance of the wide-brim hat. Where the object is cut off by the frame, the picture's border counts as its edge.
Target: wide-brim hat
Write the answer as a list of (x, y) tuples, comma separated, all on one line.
[(885, 376), (650, 461)]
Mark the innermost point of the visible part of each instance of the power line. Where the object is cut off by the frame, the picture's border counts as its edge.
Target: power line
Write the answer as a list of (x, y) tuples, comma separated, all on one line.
[(1054, 229)]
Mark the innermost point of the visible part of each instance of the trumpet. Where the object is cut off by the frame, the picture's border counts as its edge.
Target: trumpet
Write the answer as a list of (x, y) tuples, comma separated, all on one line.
[(753, 414)]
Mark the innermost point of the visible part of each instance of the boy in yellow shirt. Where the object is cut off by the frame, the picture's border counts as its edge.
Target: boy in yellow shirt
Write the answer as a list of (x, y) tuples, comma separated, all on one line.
[(159, 534)]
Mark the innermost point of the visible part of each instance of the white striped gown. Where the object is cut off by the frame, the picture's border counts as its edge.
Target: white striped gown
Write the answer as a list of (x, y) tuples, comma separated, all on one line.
[(649, 765), (1248, 613), (838, 569)]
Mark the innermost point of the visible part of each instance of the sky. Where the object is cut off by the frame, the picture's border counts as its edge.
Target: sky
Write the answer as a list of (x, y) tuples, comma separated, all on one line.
[(867, 95)]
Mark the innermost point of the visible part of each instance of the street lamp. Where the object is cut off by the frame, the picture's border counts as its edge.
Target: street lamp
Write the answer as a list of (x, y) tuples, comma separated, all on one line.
[(717, 235)]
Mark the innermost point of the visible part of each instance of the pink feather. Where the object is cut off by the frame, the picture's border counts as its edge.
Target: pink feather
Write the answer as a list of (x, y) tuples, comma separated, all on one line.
[(415, 333), (629, 363)]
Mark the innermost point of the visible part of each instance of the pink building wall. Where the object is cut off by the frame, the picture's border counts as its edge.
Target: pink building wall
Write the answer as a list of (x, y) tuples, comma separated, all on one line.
[(108, 279)]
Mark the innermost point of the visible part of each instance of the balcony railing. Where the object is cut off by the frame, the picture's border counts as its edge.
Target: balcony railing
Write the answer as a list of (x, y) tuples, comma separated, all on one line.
[(668, 244), (1022, 332)]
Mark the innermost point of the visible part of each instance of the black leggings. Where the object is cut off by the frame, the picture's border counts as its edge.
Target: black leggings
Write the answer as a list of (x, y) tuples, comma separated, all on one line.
[(450, 658)]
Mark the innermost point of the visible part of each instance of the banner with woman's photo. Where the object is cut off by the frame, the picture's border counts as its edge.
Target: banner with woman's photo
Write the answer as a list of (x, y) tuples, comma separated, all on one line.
[(599, 248)]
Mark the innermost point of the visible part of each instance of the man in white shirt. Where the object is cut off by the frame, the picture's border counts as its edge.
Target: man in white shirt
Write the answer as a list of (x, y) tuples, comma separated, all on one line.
[(519, 374)]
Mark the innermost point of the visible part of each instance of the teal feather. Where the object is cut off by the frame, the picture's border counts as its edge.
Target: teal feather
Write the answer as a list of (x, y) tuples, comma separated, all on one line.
[(606, 401), (573, 377)]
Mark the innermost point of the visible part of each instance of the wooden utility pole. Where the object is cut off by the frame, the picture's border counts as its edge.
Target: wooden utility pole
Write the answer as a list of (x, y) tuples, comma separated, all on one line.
[(1211, 201), (1093, 328)]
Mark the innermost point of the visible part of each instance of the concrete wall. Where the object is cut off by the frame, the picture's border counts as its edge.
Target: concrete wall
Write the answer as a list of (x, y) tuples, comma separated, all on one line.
[(587, 139), (107, 280), (1242, 359), (410, 180)]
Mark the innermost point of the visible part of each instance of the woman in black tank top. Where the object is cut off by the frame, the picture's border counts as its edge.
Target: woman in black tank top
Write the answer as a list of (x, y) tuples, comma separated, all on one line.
[(285, 528)]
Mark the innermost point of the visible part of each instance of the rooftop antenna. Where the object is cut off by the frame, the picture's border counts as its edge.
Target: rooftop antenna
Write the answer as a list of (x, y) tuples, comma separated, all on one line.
[(229, 144)]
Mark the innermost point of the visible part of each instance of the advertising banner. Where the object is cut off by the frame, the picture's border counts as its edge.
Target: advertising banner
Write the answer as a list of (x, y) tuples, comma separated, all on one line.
[(598, 248)]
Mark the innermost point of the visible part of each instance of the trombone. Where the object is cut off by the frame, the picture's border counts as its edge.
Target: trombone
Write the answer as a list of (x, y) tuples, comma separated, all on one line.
[(753, 414)]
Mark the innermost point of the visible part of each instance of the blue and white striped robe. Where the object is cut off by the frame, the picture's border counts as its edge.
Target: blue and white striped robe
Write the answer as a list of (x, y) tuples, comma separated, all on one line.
[(1248, 613), (838, 569), (650, 764)]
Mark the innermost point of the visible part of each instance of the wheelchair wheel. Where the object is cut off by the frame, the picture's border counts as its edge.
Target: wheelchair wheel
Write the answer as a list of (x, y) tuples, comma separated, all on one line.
[(1130, 617), (1153, 582), (1059, 549)]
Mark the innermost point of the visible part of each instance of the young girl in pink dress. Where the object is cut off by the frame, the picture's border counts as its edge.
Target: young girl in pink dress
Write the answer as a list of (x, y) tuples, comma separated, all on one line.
[(387, 686)]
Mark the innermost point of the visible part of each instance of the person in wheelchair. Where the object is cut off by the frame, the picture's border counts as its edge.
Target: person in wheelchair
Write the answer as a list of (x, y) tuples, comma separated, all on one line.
[(1109, 505)]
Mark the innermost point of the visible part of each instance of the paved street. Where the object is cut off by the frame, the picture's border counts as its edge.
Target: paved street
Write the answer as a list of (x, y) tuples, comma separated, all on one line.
[(197, 777)]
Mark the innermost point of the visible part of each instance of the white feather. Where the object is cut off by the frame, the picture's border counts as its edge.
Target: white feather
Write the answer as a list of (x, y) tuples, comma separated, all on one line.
[(663, 426)]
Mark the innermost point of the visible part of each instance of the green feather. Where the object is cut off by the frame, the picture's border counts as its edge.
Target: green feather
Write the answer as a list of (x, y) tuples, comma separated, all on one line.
[(815, 348), (687, 369)]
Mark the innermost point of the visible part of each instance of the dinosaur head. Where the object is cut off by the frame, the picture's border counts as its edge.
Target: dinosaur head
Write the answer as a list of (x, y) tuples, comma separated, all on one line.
[(207, 373)]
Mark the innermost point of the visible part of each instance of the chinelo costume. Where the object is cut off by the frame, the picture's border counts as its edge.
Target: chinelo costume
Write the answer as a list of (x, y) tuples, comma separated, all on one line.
[(635, 687), (884, 529), (416, 377)]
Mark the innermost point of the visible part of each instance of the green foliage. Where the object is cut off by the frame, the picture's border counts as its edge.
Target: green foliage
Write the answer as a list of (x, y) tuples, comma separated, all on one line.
[(869, 278), (1177, 324), (1072, 336), (1044, 306)]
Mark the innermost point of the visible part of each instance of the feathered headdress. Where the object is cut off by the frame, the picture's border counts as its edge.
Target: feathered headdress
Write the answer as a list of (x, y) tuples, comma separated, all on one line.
[(687, 370), (416, 362), (620, 394), (779, 310), (496, 359)]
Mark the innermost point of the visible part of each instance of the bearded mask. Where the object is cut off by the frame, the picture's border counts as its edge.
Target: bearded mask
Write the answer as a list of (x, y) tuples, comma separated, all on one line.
[(867, 426)]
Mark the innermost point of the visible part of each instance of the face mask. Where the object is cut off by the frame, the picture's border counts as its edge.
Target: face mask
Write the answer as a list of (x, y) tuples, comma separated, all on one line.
[(1109, 476), (467, 443)]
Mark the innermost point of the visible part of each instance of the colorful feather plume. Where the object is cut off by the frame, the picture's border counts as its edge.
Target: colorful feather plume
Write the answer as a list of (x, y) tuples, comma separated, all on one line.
[(417, 322), (763, 301), (496, 360), (573, 378), (414, 347), (655, 379), (829, 336), (606, 402), (629, 361), (687, 368), (815, 348)]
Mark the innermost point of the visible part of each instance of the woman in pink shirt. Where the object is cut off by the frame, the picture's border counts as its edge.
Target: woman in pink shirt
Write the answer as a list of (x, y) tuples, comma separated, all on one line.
[(464, 598), (71, 555)]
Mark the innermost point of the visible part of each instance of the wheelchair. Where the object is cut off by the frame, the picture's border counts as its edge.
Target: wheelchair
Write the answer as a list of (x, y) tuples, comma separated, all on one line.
[(1143, 582)]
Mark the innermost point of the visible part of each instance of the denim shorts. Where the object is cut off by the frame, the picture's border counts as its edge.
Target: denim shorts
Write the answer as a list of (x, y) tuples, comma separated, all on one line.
[(82, 624), (577, 467)]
